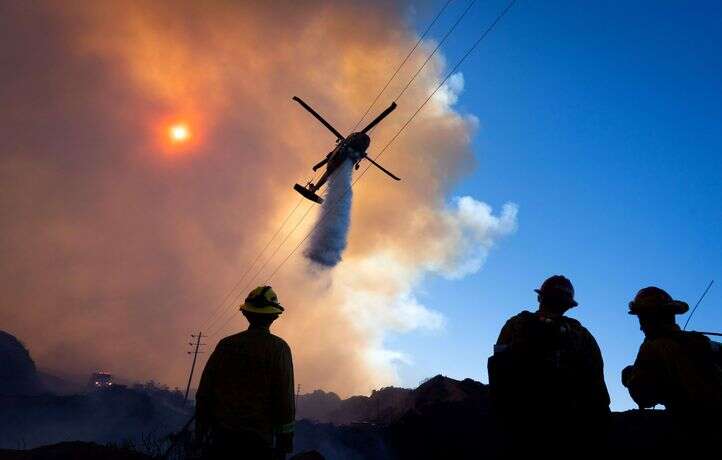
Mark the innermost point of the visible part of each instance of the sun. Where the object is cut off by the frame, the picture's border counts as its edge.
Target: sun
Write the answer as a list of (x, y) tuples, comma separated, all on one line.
[(179, 133)]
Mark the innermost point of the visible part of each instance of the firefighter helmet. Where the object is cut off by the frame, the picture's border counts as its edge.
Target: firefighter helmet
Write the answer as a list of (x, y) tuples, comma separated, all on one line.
[(655, 300), (558, 286), (262, 300)]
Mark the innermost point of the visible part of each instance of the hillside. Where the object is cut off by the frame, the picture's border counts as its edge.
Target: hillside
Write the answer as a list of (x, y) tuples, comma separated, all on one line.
[(388, 404), (448, 418), (441, 418), (32, 416)]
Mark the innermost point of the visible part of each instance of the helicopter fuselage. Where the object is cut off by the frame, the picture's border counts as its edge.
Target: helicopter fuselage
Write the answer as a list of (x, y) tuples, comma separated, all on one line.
[(349, 148), (353, 148)]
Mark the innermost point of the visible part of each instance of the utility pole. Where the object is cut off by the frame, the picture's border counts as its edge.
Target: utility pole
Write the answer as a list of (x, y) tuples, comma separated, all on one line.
[(193, 366)]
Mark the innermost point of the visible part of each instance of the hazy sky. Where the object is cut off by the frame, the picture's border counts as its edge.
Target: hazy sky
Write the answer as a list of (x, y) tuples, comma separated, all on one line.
[(602, 121), (118, 242), (577, 140)]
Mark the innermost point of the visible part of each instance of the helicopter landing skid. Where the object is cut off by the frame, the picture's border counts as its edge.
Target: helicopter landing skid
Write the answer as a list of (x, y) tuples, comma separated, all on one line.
[(308, 194)]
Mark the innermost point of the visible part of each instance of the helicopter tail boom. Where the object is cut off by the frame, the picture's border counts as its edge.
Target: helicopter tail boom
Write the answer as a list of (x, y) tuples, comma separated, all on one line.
[(320, 163)]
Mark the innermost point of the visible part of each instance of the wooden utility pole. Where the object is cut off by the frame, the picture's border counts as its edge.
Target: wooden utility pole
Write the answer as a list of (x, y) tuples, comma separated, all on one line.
[(193, 366)]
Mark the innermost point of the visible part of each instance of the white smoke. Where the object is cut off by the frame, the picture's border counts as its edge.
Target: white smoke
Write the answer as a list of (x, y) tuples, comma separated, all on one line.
[(212, 207), (330, 237), (472, 229), (378, 291)]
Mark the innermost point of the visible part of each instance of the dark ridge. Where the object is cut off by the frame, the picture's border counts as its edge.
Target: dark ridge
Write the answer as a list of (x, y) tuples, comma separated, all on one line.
[(18, 375), (75, 450)]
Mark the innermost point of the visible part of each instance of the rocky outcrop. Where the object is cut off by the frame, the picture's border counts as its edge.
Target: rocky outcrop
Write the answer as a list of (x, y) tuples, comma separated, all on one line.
[(448, 418), (389, 404), (18, 375), (317, 406)]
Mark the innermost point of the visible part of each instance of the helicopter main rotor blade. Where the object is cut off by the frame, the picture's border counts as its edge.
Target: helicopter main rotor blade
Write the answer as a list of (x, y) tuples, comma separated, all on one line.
[(378, 119), (382, 168), (319, 118)]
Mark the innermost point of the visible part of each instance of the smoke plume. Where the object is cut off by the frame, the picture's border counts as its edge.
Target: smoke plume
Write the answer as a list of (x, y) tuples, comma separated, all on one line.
[(330, 236), (118, 243)]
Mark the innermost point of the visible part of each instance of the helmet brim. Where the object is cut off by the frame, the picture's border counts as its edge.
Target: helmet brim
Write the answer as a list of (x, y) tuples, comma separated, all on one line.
[(574, 302), (676, 306), (265, 310), (679, 306)]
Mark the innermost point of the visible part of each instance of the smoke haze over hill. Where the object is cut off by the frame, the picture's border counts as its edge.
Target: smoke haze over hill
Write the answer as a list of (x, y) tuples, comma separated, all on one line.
[(117, 244)]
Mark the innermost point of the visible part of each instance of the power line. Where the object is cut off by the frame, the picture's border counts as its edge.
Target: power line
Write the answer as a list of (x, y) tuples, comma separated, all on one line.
[(453, 70), (220, 306), (260, 269), (715, 334), (697, 305), (418, 42), (448, 33), (403, 127), (211, 319), (378, 95)]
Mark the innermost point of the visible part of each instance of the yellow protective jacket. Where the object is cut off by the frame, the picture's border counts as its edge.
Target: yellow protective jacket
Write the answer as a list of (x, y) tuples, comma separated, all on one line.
[(678, 370), (247, 386)]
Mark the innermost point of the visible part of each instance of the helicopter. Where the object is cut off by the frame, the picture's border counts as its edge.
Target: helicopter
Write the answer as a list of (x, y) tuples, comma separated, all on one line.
[(352, 147)]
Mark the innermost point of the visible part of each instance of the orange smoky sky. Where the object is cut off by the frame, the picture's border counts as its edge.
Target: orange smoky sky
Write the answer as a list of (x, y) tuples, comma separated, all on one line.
[(117, 243)]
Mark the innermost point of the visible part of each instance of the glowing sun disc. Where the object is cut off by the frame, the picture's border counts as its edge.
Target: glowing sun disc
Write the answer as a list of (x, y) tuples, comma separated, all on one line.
[(179, 133)]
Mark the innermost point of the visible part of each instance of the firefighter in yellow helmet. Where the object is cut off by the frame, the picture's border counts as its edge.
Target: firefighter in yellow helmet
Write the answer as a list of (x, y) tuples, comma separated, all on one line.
[(675, 368), (245, 401)]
